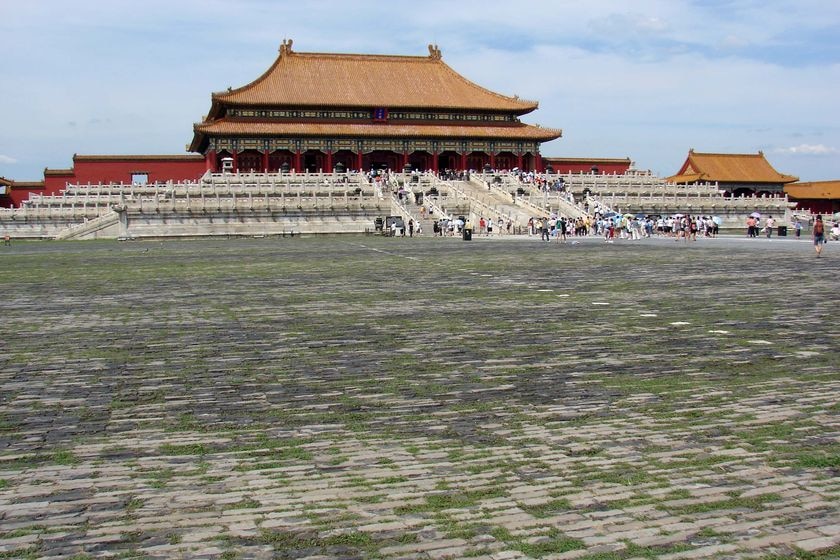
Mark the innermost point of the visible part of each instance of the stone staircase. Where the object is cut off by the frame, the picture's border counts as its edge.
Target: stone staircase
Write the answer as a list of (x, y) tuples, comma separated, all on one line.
[(427, 226), (493, 202), (106, 225), (533, 201)]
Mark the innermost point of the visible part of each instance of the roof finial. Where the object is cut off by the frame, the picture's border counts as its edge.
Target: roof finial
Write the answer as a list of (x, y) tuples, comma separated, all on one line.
[(286, 47), (434, 52)]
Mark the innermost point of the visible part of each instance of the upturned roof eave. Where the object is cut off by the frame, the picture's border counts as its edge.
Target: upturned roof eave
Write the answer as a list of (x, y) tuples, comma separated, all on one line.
[(197, 144)]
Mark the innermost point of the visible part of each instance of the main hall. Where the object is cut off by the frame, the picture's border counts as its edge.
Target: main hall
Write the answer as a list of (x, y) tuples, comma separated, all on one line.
[(316, 111)]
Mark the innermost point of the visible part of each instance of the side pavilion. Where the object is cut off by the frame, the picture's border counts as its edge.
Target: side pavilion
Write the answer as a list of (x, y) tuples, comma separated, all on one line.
[(317, 111), (817, 196), (735, 174)]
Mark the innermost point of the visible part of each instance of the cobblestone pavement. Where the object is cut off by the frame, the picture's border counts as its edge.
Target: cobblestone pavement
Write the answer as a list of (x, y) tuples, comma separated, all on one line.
[(361, 397)]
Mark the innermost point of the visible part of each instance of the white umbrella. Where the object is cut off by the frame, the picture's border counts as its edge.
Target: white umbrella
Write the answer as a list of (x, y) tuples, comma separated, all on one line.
[(717, 220), (755, 215)]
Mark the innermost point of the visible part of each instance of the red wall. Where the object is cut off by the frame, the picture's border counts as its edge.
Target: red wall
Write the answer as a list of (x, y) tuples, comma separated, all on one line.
[(571, 166), (817, 206), (20, 193), (56, 183), (114, 171)]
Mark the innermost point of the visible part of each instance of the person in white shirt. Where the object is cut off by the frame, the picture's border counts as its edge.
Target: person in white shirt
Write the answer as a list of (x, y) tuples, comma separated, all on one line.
[(768, 226)]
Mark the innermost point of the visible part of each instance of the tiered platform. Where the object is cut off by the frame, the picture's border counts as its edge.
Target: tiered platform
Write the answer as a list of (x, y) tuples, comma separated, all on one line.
[(217, 204), (317, 203)]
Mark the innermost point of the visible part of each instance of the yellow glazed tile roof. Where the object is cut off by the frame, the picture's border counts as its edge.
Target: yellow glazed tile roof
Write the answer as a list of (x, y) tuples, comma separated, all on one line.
[(729, 168), (829, 190), (356, 80), (685, 178)]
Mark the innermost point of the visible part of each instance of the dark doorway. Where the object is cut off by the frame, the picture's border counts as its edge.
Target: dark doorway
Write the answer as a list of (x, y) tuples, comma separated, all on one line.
[(381, 159)]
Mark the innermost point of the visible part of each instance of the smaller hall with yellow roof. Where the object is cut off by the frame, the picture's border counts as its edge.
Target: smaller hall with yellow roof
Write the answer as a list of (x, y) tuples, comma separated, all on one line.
[(736, 174)]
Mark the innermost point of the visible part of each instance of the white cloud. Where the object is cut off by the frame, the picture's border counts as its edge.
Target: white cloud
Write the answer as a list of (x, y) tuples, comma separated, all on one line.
[(808, 150), (624, 24), (7, 160)]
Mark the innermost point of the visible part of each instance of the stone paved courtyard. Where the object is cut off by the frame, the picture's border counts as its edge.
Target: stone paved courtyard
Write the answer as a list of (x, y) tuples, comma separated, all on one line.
[(362, 397)]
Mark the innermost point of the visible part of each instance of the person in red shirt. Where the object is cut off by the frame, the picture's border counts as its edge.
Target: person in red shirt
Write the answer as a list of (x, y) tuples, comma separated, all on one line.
[(819, 235)]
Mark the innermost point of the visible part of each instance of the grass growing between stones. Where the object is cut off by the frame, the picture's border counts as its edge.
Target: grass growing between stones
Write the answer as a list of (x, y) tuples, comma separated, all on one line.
[(553, 542), (320, 398)]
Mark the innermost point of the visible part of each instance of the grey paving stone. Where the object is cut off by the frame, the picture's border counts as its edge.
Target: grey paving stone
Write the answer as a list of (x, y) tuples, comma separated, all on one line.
[(318, 399)]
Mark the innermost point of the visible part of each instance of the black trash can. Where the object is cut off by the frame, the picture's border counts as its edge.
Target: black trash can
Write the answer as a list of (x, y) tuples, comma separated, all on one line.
[(782, 231), (467, 233)]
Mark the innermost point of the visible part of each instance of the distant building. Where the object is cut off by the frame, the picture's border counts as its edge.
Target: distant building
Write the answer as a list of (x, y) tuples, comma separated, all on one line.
[(736, 174), (6, 192), (12, 193), (821, 197), (126, 169)]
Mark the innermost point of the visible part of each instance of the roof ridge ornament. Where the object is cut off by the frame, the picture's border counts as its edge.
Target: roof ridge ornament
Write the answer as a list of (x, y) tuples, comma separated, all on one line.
[(286, 47), (434, 52)]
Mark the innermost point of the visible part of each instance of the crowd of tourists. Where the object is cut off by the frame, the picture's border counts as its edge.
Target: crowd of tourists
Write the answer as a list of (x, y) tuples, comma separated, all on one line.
[(617, 226), (543, 183), (609, 227), (485, 226)]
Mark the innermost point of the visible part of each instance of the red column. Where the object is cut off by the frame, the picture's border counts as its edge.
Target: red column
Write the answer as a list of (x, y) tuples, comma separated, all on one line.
[(519, 161), (329, 162), (235, 156), (464, 161), (435, 162), (359, 161), (297, 161), (404, 160), (265, 161), (210, 161), (538, 163)]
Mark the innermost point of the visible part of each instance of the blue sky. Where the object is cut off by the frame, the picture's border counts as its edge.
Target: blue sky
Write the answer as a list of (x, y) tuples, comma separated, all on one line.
[(648, 79)]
